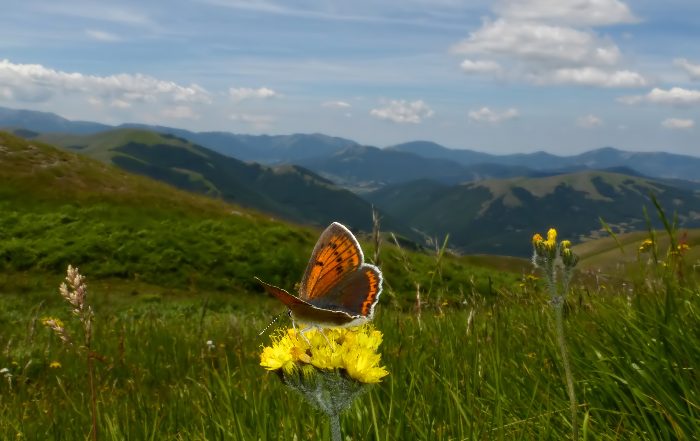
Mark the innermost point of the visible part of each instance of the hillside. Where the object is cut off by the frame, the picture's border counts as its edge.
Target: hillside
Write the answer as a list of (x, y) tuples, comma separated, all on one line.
[(364, 167), (605, 253), (265, 149), (500, 216), (290, 192), (59, 208)]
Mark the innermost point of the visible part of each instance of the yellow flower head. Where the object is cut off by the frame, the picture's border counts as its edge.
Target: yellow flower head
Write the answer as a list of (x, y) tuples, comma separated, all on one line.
[(537, 238), (55, 364), (551, 242), (646, 245), (566, 244), (352, 350)]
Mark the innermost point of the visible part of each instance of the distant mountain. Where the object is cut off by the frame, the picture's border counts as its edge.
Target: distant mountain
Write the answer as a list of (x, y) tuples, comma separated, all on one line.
[(290, 192), (45, 122), (656, 164), (322, 153), (265, 149), (429, 149), (364, 167), (500, 216), (653, 164)]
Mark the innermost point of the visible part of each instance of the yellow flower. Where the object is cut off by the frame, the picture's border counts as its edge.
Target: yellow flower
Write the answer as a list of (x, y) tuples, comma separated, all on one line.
[(362, 365), (646, 245), (537, 238), (352, 350), (278, 356), (683, 247), (551, 242), (55, 364), (565, 243)]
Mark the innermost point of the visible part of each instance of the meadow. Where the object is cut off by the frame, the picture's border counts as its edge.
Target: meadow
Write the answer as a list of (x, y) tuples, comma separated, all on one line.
[(177, 314), (172, 365)]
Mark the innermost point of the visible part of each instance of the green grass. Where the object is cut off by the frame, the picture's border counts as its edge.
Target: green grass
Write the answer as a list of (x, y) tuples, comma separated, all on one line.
[(496, 376)]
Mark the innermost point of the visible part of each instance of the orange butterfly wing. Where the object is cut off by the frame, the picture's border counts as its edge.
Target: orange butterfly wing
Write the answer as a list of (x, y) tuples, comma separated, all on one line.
[(355, 294), (307, 312), (338, 288), (335, 255)]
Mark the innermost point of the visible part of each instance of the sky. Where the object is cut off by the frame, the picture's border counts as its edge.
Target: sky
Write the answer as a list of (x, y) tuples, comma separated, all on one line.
[(500, 76)]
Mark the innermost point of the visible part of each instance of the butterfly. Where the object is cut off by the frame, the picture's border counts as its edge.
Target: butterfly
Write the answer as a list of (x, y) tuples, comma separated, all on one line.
[(338, 288)]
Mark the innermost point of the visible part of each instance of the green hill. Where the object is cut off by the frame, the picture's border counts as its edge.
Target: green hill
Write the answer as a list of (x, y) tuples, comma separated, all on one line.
[(290, 192), (500, 216), (59, 208)]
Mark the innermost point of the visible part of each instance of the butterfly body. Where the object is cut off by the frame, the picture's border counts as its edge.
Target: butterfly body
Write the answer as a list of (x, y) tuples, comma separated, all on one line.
[(338, 288)]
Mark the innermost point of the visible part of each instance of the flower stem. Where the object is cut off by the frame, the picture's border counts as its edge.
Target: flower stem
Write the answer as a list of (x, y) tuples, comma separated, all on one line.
[(93, 394), (559, 312), (334, 418)]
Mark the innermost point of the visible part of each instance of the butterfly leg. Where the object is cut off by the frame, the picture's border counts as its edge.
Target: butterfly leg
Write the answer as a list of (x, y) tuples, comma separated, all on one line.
[(324, 336), (303, 336)]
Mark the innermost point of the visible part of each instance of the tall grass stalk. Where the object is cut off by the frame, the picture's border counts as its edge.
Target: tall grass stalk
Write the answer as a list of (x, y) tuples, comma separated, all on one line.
[(74, 291)]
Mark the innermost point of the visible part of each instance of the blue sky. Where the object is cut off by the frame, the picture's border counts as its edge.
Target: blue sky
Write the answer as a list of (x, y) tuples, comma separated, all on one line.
[(498, 76)]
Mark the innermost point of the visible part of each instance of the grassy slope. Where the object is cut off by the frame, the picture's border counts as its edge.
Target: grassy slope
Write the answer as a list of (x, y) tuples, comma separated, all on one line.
[(60, 208), (292, 193), (605, 253)]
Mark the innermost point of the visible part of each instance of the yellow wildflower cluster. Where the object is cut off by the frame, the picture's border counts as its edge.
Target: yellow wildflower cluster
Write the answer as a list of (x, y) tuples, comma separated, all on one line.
[(646, 246), (353, 350), (546, 248)]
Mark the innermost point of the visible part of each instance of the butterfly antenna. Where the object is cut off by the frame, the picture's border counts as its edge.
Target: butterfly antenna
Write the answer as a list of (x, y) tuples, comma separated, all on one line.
[(272, 322)]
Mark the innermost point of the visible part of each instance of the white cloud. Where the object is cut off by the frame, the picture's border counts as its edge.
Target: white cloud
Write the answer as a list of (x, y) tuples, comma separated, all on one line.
[(676, 96), (593, 76), (336, 105), (179, 112), (258, 122), (678, 124), (571, 12), (480, 66), (589, 122), (36, 83), (102, 36), (487, 115), (244, 93), (691, 68), (539, 43), (402, 111), (551, 42)]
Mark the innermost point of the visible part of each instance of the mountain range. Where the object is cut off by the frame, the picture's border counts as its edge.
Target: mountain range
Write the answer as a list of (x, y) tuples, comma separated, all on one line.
[(500, 216), (287, 191), (486, 203)]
